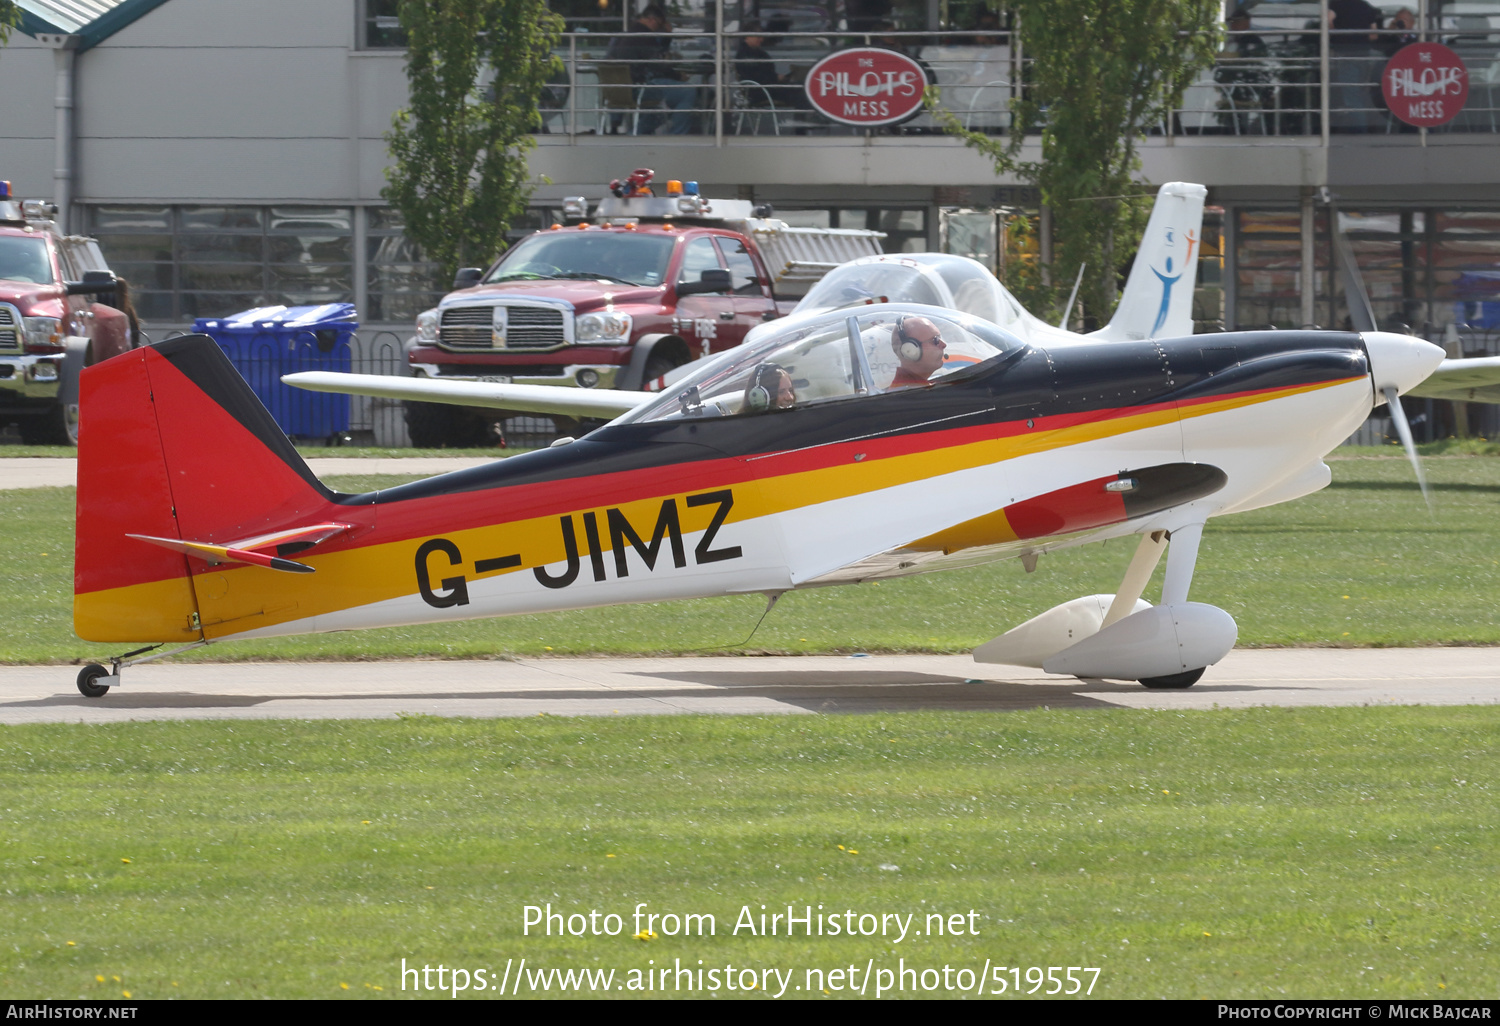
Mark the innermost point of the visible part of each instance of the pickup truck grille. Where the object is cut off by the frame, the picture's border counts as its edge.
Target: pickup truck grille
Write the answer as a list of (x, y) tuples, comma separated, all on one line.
[(527, 327), (10, 329)]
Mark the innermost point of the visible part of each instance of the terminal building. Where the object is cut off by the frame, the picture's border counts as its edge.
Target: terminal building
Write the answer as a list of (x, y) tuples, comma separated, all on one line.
[(229, 156)]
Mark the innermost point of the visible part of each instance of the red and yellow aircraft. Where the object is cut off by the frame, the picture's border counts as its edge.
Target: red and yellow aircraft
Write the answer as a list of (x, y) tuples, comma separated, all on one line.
[(834, 450)]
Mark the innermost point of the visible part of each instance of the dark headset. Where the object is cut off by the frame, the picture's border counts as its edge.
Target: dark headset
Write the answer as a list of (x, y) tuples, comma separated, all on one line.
[(758, 397), (909, 349)]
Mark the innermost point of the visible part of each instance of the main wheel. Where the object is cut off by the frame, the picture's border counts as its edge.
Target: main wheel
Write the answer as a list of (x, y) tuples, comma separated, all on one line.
[(1185, 679), (439, 426), (58, 426), (659, 364), (86, 678)]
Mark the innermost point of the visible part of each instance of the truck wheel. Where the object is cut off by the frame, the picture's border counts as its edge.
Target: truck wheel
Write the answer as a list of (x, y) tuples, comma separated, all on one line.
[(659, 364), (440, 426), (58, 426)]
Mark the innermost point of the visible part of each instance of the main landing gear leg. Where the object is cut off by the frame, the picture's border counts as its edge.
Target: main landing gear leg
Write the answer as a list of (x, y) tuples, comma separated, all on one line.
[(1182, 558), (1137, 576), (94, 681)]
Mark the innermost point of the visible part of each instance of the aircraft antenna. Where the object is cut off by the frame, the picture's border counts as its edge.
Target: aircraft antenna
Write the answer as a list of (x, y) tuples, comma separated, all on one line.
[(1063, 324)]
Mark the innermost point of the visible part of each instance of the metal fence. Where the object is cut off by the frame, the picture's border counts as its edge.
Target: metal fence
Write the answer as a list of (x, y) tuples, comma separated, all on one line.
[(1264, 83)]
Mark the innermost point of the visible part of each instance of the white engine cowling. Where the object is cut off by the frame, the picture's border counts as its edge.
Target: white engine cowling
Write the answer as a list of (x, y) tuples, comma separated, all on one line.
[(1155, 642)]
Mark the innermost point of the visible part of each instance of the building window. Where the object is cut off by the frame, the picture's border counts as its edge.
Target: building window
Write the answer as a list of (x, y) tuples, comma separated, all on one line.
[(207, 261), (400, 281), (380, 25)]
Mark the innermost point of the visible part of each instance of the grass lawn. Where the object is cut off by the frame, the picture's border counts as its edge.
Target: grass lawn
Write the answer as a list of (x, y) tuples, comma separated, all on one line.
[(1260, 853), (1360, 563)]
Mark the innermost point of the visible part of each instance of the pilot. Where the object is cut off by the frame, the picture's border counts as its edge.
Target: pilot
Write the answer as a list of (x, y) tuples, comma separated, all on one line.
[(919, 346), (770, 388)]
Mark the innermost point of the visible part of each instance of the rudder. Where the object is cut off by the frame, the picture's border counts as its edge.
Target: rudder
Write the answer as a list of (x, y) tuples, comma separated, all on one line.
[(176, 447)]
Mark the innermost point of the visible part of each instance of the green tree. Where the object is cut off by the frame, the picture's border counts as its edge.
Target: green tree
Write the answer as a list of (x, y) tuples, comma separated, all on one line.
[(1098, 74), (10, 17), (458, 172)]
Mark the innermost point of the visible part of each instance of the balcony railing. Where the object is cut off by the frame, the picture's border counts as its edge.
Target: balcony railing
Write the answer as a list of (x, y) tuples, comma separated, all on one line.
[(714, 84)]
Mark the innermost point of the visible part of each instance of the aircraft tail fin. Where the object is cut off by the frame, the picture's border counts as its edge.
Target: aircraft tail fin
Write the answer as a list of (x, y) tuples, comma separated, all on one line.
[(1158, 297), (177, 449)]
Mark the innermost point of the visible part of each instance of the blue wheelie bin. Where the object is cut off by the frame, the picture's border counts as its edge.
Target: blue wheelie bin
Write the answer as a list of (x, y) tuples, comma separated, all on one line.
[(269, 341)]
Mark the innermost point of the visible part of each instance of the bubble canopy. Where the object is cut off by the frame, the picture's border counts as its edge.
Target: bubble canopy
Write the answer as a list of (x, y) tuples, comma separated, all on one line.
[(934, 279), (838, 356)]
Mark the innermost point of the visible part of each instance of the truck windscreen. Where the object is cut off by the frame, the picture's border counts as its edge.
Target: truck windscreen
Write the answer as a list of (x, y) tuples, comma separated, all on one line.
[(604, 255), (24, 259)]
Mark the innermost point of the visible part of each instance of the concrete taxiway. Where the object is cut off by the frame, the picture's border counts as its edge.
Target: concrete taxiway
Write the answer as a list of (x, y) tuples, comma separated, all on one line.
[(724, 685)]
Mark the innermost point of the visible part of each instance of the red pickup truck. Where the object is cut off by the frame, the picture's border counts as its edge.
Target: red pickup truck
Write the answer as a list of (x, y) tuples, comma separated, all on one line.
[(654, 283), (58, 314)]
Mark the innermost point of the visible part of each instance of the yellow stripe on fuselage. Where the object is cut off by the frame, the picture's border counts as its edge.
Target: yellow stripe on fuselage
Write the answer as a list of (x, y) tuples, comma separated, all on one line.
[(244, 598)]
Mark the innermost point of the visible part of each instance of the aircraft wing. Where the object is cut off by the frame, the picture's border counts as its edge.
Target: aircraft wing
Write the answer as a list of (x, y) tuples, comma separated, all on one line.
[(1475, 380), (568, 402)]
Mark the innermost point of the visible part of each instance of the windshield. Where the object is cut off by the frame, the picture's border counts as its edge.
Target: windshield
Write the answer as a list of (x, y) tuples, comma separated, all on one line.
[(938, 279), (838, 356), (25, 259), (588, 254)]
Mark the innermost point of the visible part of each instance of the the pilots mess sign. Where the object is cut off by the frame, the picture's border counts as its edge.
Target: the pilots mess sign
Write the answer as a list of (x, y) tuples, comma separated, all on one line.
[(866, 86)]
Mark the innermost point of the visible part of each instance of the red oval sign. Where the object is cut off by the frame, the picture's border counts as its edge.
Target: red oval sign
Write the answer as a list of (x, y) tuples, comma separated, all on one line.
[(866, 86), (1425, 84)]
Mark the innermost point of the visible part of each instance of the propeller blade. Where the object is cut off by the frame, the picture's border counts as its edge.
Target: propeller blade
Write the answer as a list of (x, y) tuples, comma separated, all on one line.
[(1403, 430)]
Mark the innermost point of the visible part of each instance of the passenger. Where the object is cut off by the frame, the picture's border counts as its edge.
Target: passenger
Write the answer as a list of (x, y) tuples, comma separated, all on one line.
[(920, 347), (770, 388)]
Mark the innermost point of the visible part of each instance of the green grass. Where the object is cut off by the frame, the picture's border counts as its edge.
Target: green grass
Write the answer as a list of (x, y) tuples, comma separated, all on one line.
[(1259, 853), (1283, 573)]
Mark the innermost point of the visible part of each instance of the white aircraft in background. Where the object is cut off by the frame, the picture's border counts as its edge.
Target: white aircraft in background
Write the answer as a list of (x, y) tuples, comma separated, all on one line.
[(1157, 303)]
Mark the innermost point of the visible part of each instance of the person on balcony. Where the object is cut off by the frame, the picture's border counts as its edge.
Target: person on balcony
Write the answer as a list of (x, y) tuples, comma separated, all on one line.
[(1356, 62), (648, 51)]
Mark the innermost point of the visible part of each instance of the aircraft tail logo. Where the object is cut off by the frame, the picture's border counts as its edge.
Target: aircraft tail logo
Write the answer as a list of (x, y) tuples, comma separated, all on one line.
[(1158, 297)]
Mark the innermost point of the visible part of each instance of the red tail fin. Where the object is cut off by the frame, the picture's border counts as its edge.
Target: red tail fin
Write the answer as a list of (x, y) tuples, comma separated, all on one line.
[(176, 446)]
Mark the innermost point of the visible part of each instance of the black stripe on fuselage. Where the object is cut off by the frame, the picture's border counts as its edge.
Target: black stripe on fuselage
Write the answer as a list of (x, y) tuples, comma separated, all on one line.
[(1065, 380), (202, 362)]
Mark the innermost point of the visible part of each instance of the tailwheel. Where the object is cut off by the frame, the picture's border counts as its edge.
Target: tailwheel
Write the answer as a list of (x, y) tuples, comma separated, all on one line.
[(86, 678), (1185, 679)]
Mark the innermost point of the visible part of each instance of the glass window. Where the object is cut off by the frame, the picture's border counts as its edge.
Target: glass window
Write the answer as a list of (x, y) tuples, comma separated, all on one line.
[(209, 261), (380, 25), (195, 219), (400, 281), (584, 254), (835, 357), (741, 267), (877, 279), (699, 256), (23, 259)]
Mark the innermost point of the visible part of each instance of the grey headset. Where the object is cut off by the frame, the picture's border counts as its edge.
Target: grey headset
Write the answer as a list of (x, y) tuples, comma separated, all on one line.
[(910, 349), (758, 397)]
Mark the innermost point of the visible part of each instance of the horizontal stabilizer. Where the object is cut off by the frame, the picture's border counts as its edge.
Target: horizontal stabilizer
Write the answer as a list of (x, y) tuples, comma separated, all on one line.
[(215, 554), (568, 402)]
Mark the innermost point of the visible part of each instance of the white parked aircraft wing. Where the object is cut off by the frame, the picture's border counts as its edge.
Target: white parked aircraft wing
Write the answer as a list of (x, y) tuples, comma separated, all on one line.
[(568, 402), (1474, 380)]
